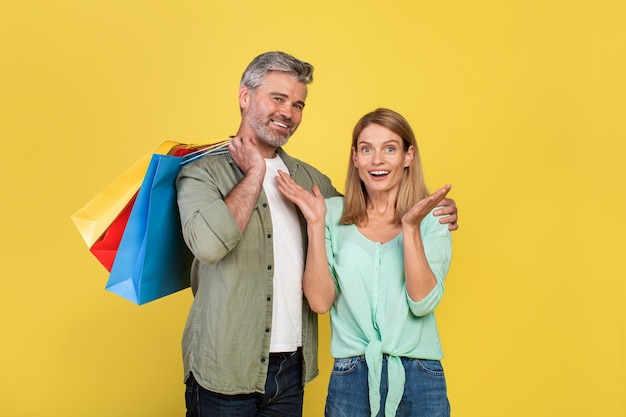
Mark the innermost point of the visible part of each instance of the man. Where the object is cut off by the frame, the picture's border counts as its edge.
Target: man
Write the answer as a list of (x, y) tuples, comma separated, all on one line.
[(250, 342)]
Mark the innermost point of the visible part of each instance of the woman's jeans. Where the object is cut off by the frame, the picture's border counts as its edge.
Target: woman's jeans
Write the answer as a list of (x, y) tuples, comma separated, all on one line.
[(283, 393), (424, 391)]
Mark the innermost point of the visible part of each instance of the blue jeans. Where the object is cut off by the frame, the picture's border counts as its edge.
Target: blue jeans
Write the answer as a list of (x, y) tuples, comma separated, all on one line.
[(424, 391), (283, 393)]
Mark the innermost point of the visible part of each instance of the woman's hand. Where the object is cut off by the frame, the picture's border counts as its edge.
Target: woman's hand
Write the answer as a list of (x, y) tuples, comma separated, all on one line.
[(311, 204), (317, 284), (416, 214)]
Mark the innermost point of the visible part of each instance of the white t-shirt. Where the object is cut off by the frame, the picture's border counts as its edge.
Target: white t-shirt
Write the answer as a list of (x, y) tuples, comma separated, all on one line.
[(288, 264)]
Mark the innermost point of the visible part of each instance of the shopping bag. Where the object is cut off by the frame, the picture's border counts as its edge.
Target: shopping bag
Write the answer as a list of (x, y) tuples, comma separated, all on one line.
[(152, 259), (96, 216), (105, 248)]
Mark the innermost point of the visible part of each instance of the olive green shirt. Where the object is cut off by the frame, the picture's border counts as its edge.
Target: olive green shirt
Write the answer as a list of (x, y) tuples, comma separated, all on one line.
[(226, 339)]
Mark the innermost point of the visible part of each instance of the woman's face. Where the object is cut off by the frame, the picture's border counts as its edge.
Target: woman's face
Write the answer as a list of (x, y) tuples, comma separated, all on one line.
[(380, 159)]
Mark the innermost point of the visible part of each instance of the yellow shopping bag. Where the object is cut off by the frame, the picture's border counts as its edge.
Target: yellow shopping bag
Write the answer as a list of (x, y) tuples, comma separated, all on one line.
[(95, 217)]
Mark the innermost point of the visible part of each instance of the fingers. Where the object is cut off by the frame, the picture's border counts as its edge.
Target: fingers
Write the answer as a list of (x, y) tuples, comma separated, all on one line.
[(286, 181), (447, 210), (441, 193), (237, 142), (417, 213), (246, 155), (447, 215), (316, 191), (448, 202), (447, 207), (450, 221), (444, 210), (288, 187), (435, 198), (311, 203)]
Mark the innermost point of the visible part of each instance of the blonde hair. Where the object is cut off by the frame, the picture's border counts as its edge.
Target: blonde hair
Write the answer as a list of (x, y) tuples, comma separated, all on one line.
[(412, 186)]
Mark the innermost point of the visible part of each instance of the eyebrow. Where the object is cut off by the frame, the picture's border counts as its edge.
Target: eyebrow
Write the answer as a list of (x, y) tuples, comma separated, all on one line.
[(387, 142)]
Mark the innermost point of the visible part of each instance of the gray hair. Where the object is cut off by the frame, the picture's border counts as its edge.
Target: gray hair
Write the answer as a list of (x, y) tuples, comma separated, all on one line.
[(275, 61)]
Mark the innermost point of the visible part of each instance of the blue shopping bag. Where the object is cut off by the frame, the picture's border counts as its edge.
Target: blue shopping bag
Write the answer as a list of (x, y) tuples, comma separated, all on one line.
[(152, 260)]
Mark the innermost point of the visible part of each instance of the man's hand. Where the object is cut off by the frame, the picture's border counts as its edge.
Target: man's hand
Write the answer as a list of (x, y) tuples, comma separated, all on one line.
[(247, 156), (241, 200), (449, 212)]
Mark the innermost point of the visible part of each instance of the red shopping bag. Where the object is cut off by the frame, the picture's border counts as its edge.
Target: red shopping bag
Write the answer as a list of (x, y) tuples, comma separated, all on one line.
[(106, 246)]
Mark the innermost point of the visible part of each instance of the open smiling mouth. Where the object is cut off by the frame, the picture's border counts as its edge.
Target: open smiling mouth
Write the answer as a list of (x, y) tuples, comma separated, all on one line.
[(379, 173), (281, 125)]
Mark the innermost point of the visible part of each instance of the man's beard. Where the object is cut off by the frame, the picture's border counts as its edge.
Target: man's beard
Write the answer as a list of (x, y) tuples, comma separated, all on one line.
[(263, 130)]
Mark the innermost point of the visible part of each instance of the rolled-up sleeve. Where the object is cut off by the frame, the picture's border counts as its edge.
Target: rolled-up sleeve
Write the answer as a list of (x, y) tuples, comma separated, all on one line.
[(208, 227), (437, 241)]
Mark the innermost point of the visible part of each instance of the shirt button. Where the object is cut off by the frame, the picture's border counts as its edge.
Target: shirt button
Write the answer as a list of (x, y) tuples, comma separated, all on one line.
[(269, 267), (262, 360), (267, 330), (264, 204), (269, 298), (269, 235)]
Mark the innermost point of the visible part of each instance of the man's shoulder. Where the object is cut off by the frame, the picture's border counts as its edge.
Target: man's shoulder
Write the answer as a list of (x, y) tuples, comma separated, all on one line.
[(290, 160), (306, 174), (209, 163)]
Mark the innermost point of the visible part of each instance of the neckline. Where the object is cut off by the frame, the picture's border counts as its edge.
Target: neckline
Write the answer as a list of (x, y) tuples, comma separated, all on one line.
[(389, 242)]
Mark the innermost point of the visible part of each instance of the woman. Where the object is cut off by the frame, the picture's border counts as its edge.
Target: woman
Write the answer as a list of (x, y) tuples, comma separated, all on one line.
[(377, 259)]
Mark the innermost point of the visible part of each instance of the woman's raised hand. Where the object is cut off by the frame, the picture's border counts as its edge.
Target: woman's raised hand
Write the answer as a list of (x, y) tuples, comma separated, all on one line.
[(417, 213), (311, 203)]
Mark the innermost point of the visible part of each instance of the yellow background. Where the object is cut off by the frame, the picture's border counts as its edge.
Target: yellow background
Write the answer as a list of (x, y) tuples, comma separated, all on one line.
[(520, 105)]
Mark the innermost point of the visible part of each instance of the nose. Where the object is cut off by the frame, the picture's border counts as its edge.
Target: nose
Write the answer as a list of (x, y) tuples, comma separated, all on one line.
[(286, 110), (378, 157)]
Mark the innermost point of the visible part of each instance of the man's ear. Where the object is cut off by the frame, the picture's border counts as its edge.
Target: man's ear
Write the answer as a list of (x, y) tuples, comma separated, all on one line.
[(244, 97)]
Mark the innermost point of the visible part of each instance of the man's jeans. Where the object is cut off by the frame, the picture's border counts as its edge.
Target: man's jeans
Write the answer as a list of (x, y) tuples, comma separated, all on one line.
[(424, 391), (283, 393)]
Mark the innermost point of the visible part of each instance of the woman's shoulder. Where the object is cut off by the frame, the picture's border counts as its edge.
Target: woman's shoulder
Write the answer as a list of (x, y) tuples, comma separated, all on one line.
[(334, 203), (431, 224), (334, 209)]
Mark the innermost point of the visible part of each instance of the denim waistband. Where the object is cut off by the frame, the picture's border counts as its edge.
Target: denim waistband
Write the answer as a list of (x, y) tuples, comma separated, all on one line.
[(281, 355)]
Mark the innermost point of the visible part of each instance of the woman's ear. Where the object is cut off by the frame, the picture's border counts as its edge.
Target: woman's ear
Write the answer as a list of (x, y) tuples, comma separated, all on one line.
[(353, 152), (408, 156)]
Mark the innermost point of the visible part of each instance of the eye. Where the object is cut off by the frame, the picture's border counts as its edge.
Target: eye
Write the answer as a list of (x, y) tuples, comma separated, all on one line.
[(390, 149), (278, 99), (366, 149), (298, 106)]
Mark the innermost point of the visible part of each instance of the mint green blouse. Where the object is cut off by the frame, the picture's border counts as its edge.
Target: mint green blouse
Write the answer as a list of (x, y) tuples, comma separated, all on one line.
[(373, 313)]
